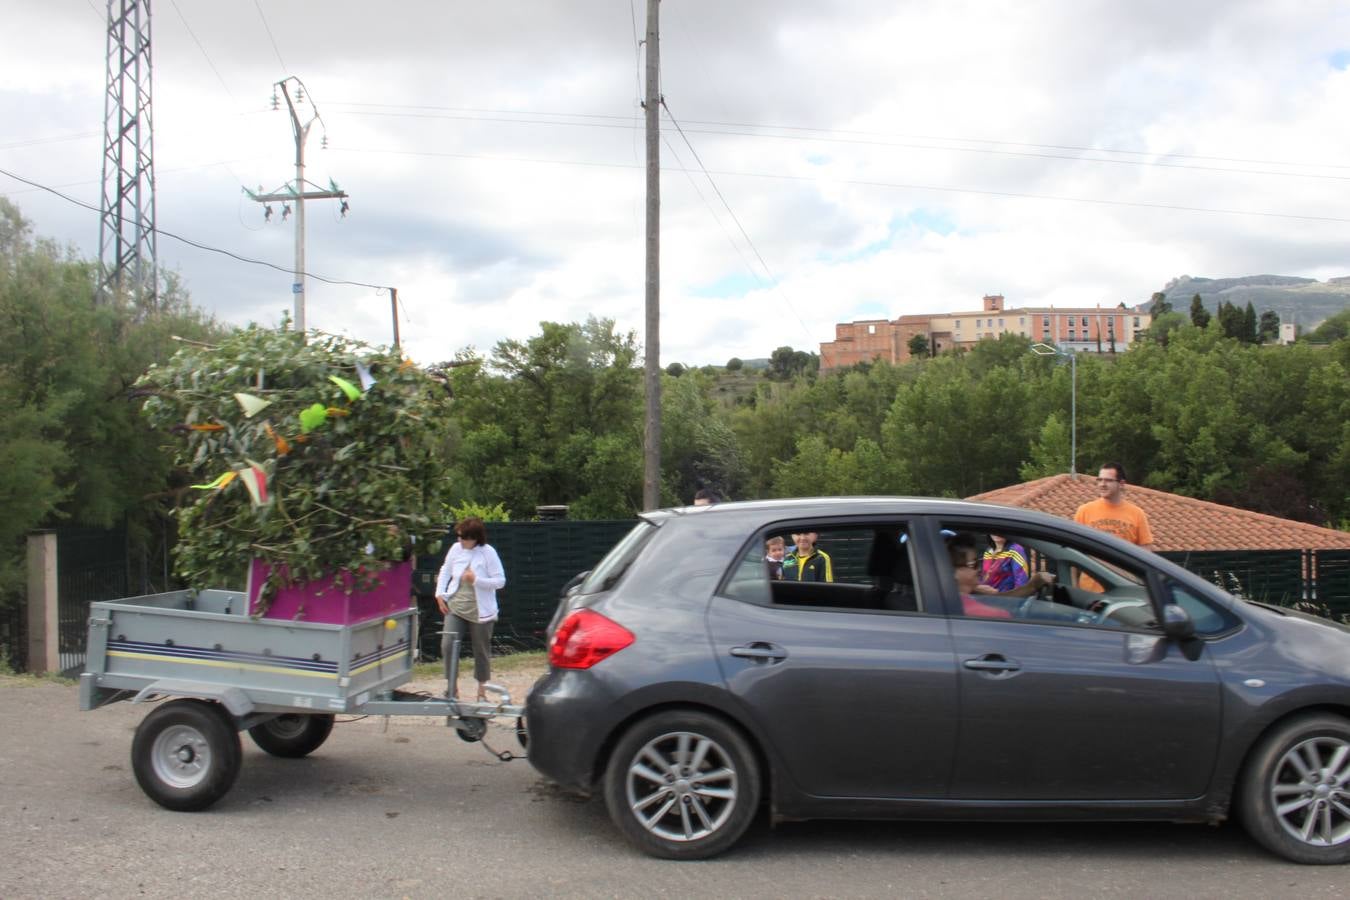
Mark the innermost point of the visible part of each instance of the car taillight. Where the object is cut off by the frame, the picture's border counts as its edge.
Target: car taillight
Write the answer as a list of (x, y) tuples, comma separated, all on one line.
[(585, 638)]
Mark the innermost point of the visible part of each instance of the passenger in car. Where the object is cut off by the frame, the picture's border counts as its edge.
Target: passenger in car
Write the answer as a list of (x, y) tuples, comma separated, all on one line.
[(965, 559), (774, 548), (1004, 567), (807, 562)]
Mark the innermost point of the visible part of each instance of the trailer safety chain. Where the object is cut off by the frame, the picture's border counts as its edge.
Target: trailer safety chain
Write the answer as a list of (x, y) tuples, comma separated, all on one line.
[(503, 755)]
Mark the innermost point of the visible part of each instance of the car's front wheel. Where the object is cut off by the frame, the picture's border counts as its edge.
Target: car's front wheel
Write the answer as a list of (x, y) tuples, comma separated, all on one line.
[(1295, 792), (682, 784)]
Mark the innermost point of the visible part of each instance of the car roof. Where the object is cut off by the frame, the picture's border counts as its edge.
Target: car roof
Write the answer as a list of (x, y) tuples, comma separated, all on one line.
[(851, 505)]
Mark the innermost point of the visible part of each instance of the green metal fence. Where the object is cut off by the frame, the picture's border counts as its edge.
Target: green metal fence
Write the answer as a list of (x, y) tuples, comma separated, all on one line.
[(14, 636), (1333, 582), (539, 558), (91, 565), (1268, 576)]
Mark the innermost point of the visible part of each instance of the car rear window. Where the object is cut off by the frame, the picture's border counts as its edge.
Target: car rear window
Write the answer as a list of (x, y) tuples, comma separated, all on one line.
[(616, 562)]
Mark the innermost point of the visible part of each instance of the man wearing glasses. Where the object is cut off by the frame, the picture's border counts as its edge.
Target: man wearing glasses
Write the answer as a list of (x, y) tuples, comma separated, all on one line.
[(1112, 513)]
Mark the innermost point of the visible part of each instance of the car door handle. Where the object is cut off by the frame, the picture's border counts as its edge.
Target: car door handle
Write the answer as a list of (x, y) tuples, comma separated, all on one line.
[(992, 662), (760, 650)]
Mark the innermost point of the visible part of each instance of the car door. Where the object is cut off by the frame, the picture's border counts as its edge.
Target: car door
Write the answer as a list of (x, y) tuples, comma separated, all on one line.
[(1073, 709), (856, 687)]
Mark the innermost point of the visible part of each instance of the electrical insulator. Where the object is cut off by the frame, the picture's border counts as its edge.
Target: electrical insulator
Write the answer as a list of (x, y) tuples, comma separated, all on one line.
[(276, 101), (344, 209), (323, 145), (285, 212), (267, 212), (299, 94)]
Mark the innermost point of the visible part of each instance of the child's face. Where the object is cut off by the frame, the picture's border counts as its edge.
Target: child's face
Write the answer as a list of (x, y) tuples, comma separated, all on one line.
[(776, 552)]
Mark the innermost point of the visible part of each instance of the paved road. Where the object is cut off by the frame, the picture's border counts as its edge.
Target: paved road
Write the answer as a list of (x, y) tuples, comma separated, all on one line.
[(412, 811)]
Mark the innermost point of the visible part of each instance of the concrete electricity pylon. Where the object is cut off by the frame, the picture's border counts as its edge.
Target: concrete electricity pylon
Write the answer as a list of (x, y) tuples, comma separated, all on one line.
[(299, 190), (126, 234)]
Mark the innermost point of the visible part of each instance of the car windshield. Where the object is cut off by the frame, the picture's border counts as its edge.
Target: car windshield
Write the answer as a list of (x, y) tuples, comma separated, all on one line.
[(610, 569)]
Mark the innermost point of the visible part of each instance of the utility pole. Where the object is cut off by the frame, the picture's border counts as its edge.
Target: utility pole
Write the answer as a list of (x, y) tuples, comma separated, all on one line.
[(296, 192), (393, 307), (651, 450), (126, 230)]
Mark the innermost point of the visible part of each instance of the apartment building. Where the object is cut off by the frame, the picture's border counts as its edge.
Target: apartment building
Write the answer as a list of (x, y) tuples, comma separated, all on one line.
[(1081, 329)]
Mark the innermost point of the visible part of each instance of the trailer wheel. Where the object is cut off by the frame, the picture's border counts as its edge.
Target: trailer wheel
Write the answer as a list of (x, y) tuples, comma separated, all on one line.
[(682, 785), (292, 735), (185, 755)]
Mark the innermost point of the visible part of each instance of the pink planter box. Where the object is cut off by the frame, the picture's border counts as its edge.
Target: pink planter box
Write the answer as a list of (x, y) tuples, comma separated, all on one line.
[(331, 600)]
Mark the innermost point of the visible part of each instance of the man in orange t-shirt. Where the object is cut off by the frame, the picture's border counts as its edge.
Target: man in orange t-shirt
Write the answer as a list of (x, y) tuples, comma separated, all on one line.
[(1112, 513)]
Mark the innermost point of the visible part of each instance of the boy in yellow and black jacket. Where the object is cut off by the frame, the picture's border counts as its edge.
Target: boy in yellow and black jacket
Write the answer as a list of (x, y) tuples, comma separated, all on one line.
[(805, 562)]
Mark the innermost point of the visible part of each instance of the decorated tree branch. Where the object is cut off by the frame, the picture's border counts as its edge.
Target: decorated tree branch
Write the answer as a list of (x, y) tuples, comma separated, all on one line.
[(318, 458)]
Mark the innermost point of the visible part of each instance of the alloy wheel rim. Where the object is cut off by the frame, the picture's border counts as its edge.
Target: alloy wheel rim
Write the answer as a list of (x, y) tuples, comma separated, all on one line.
[(1310, 791), (682, 786), (181, 756)]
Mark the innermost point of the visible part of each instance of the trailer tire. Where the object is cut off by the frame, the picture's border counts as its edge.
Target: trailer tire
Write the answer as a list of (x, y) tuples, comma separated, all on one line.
[(185, 755), (292, 735)]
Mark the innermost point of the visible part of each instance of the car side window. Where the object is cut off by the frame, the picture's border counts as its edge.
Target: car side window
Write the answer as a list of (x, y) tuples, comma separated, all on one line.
[(816, 566), (1209, 618), (1028, 577)]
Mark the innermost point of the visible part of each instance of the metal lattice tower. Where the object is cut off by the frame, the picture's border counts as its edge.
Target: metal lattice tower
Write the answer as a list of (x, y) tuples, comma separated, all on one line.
[(127, 224)]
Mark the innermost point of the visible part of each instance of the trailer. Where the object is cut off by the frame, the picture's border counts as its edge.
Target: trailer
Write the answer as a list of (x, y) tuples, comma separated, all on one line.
[(220, 669)]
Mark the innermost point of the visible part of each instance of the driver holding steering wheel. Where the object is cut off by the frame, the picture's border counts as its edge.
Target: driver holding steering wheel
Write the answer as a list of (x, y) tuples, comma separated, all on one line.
[(965, 559)]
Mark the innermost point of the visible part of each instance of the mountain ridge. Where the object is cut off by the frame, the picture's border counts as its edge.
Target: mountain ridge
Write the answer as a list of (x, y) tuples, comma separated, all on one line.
[(1305, 301)]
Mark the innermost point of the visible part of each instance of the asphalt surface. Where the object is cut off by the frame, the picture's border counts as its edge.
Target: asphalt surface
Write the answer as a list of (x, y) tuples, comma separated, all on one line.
[(412, 811)]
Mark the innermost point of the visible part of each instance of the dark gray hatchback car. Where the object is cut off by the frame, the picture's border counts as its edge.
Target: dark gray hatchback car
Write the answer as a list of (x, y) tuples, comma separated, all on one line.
[(694, 687)]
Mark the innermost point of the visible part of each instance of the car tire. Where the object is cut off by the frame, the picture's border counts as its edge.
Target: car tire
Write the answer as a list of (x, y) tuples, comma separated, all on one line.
[(682, 784), (186, 755), (1294, 797), (292, 735)]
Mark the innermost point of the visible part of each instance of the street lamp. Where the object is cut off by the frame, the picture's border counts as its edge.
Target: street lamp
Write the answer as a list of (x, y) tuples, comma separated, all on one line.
[(1046, 350)]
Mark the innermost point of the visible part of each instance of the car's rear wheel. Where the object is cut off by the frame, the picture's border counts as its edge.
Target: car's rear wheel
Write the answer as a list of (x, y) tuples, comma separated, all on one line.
[(1295, 792), (682, 785)]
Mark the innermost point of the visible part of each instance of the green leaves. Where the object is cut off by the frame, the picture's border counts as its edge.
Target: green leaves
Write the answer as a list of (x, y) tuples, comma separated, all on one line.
[(347, 484)]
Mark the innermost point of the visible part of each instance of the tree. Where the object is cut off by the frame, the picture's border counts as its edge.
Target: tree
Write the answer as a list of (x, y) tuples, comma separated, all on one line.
[(1161, 328), (1268, 329), (1249, 333), (786, 363), (675, 369), (918, 346), (734, 364), (1199, 315), (72, 448), (554, 419), (1159, 304), (1231, 321), (1332, 329)]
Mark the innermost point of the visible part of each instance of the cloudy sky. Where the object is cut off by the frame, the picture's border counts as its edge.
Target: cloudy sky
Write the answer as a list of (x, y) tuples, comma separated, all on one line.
[(840, 160)]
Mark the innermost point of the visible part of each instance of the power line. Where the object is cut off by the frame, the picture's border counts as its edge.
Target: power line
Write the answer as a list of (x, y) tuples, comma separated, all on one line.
[(734, 217), (268, 29), (823, 134), (54, 139), (192, 34), (859, 183), (637, 48), (199, 245)]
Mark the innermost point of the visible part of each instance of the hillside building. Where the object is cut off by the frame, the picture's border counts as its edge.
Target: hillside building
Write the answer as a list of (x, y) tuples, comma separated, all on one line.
[(1080, 329)]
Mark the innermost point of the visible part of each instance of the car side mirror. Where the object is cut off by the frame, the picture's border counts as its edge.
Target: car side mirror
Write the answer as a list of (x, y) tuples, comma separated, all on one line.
[(1177, 623)]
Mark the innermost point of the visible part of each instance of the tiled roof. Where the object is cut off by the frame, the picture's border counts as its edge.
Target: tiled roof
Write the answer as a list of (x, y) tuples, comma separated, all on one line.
[(1178, 523)]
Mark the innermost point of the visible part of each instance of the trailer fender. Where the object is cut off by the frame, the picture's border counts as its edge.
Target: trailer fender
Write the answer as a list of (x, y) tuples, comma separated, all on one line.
[(234, 700)]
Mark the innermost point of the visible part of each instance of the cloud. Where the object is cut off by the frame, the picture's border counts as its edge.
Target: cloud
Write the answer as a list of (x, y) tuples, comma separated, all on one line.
[(882, 158)]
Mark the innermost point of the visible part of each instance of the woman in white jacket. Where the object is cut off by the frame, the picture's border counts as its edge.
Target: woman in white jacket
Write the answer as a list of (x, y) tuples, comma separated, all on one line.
[(466, 592)]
